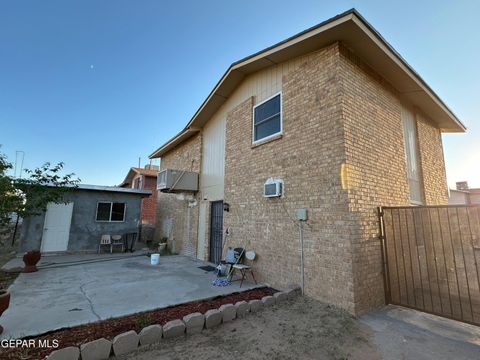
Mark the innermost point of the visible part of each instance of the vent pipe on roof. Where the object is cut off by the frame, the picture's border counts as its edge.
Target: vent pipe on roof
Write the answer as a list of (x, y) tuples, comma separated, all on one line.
[(462, 185)]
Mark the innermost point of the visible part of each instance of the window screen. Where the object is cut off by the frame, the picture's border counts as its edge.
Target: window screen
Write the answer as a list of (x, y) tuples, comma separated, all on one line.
[(118, 211), (108, 211), (103, 211), (267, 119)]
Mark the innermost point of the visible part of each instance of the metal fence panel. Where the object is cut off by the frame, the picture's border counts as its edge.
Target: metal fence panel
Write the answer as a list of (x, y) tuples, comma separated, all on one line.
[(431, 257)]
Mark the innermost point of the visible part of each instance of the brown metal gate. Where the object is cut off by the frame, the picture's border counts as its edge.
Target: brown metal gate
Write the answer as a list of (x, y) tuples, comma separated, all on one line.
[(431, 256)]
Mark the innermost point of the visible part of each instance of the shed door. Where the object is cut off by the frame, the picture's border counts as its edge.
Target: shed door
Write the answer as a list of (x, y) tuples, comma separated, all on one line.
[(56, 229), (216, 231)]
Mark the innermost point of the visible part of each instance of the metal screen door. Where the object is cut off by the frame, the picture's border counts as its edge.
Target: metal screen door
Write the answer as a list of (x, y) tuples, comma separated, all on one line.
[(216, 231)]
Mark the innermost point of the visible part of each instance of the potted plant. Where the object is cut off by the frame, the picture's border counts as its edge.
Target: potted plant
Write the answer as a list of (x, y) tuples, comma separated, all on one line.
[(31, 259), (4, 302)]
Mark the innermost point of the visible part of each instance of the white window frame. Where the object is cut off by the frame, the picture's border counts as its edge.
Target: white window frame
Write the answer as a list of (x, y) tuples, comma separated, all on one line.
[(111, 206), (253, 120)]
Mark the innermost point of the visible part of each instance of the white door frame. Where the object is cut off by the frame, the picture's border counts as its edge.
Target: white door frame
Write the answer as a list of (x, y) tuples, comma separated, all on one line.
[(202, 222)]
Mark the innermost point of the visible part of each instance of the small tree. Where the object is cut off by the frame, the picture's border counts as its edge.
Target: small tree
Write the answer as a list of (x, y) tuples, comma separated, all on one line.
[(10, 198), (30, 196)]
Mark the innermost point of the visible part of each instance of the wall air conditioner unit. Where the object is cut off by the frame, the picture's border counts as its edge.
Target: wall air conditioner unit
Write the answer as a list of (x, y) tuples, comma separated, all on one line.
[(170, 180), (273, 188)]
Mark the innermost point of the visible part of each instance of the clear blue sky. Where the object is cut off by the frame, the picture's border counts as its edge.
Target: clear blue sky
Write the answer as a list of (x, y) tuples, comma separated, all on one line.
[(97, 84)]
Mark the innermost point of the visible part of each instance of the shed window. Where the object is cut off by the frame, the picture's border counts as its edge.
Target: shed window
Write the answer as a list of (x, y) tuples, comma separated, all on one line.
[(110, 211), (267, 118)]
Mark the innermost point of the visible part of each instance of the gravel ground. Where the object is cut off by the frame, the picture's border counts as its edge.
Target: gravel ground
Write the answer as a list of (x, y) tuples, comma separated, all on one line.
[(298, 329)]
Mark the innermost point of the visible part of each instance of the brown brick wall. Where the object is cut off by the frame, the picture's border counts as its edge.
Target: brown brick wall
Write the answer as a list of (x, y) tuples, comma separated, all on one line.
[(149, 204), (376, 168), (175, 219), (432, 162), (308, 158), (341, 156)]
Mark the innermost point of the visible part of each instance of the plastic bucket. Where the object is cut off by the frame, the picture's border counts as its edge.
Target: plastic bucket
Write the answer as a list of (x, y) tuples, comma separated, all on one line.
[(154, 258)]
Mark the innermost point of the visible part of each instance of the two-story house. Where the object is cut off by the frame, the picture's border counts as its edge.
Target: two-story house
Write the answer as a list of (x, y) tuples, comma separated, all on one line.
[(337, 121)]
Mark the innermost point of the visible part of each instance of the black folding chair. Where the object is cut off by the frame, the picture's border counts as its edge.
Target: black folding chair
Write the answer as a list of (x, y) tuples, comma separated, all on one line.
[(239, 255)]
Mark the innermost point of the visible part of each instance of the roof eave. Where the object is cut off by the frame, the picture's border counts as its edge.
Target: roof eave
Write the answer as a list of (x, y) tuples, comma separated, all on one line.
[(416, 89), (173, 142), (457, 125)]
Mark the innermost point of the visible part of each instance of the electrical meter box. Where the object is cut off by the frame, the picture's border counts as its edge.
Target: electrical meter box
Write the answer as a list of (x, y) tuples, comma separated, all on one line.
[(302, 214)]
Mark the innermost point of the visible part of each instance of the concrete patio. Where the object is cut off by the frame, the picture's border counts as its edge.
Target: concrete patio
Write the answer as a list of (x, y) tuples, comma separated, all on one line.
[(71, 290), (402, 333)]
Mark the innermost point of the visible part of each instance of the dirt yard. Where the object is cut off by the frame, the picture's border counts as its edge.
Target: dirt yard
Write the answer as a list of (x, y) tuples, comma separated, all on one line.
[(299, 329)]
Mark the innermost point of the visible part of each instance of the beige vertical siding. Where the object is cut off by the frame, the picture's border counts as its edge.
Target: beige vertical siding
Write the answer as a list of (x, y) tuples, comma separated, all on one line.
[(259, 86), (213, 159)]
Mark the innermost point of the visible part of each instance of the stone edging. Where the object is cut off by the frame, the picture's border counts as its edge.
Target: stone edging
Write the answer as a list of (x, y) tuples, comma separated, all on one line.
[(190, 324)]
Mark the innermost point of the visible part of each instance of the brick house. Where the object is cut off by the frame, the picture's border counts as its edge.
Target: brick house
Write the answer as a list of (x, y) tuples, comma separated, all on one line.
[(345, 123), (144, 179)]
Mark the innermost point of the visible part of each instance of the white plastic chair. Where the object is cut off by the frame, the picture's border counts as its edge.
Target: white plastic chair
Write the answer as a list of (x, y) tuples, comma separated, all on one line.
[(117, 241), (105, 240)]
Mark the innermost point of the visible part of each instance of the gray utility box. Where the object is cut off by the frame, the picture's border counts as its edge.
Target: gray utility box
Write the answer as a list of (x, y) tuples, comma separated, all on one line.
[(170, 180)]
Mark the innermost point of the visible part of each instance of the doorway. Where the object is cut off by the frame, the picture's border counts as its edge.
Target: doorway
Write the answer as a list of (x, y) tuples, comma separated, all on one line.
[(56, 228), (216, 231)]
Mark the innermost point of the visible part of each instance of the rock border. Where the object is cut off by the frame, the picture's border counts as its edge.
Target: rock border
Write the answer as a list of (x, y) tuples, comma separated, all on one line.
[(124, 343)]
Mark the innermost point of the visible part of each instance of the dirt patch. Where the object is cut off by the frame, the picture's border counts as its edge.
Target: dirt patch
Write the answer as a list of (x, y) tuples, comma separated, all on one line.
[(7, 250), (110, 328), (298, 329), (7, 278)]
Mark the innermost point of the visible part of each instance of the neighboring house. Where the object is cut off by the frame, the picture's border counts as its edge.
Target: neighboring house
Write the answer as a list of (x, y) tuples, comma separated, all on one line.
[(464, 195), (138, 178), (89, 212), (345, 124)]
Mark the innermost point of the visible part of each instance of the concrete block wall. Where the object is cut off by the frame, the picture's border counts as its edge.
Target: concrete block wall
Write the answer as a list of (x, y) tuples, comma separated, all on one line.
[(85, 231), (175, 219)]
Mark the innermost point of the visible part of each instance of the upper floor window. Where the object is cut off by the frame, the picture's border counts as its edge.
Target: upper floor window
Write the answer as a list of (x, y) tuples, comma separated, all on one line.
[(137, 183), (110, 211), (411, 154), (267, 118)]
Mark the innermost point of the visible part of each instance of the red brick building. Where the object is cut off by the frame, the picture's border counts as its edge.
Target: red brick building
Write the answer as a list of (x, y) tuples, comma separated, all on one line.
[(145, 178)]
